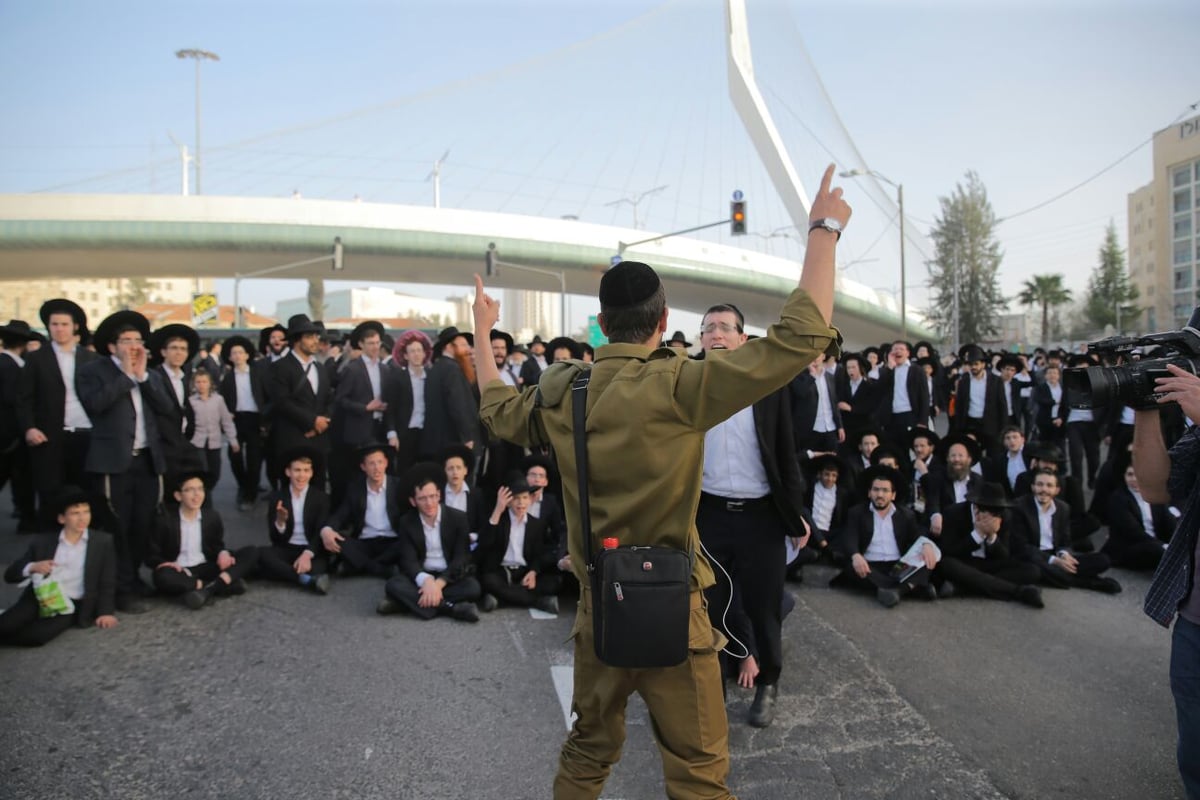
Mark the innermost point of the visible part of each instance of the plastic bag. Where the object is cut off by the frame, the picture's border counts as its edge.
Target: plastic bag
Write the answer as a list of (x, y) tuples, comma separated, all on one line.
[(52, 600)]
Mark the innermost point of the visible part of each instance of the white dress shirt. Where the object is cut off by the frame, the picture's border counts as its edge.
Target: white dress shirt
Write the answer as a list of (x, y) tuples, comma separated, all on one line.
[(900, 402), (732, 460), (69, 562), (435, 558), (310, 368), (456, 500), (135, 394), (883, 546), (514, 556), (74, 417), (191, 551), (376, 523), (1046, 528), (1147, 513), (245, 395), (824, 501), (824, 421), (417, 420), (977, 396)]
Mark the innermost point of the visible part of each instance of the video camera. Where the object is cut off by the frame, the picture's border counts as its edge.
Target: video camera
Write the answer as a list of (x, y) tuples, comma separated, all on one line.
[(1132, 383)]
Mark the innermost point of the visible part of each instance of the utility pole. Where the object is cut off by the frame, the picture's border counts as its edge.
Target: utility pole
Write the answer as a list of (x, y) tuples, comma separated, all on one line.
[(198, 56)]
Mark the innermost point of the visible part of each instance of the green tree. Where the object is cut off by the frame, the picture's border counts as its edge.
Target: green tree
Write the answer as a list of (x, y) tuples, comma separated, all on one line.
[(967, 257), (135, 292), (1048, 292), (1109, 287)]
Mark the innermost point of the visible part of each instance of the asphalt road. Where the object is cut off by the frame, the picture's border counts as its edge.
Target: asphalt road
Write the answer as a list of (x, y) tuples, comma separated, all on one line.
[(282, 693)]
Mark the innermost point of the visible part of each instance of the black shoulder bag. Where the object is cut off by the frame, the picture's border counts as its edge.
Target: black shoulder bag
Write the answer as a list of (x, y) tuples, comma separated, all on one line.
[(640, 594)]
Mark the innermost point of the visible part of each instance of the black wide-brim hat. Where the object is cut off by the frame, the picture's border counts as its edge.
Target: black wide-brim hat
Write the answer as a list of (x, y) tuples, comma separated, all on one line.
[(989, 495), (61, 305), (106, 330), (864, 366), (1044, 451), (303, 451), (564, 341), (17, 329), (538, 460), (678, 338), (868, 476), (448, 335), (502, 336), (974, 449), (1010, 360), (300, 325), (970, 353), (419, 474), (366, 448), (814, 466), (67, 496), (856, 438), (515, 482), (236, 341), (176, 330), (361, 330), (915, 433)]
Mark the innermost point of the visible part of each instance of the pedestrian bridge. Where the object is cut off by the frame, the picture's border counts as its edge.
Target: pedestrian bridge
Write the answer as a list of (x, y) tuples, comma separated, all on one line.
[(129, 236)]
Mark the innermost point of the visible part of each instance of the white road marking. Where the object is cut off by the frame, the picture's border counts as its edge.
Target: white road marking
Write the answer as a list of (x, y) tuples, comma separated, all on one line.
[(536, 614), (563, 676)]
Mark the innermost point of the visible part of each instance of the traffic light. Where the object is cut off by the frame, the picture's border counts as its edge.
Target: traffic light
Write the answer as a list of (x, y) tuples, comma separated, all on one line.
[(737, 217), (489, 261)]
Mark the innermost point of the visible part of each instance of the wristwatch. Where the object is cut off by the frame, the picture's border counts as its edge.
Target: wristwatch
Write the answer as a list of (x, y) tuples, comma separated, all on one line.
[(826, 223)]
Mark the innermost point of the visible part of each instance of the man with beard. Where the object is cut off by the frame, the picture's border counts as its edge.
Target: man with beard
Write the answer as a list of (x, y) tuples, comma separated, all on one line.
[(1042, 534), (875, 536), (923, 444), (56, 427), (451, 414), (301, 398), (947, 487), (979, 406)]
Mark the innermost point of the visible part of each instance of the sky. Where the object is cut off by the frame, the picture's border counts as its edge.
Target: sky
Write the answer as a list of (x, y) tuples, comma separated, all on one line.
[(566, 107)]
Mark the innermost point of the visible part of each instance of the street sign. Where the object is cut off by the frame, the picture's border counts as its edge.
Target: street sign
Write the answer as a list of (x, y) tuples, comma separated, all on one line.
[(737, 194), (204, 309)]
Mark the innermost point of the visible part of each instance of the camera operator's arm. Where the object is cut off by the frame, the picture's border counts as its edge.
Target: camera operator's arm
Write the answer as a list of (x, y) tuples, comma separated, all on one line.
[(1150, 458)]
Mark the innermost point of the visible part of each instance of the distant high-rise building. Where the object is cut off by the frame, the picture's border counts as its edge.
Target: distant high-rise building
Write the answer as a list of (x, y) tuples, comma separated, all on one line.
[(1164, 229), (528, 313), (98, 297)]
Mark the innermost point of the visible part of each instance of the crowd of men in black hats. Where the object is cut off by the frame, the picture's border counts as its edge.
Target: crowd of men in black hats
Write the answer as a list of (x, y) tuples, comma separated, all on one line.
[(366, 456)]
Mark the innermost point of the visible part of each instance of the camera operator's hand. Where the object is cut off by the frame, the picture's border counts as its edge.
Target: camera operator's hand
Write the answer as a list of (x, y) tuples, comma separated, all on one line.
[(1182, 388)]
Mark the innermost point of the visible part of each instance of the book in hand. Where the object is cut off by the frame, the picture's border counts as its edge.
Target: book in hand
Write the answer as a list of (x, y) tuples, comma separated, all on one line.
[(913, 561)]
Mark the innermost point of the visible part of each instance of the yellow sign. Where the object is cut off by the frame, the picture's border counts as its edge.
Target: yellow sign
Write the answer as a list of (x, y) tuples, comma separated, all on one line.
[(204, 309)]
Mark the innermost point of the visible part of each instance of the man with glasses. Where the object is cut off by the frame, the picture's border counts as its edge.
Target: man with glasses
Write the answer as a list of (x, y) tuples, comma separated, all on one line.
[(124, 400)]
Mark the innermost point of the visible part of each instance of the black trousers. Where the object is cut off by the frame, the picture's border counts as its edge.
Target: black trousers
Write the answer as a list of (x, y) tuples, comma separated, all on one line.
[(247, 462), (54, 464), (15, 468), (750, 545), (881, 576), (897, 428), (22, 624), (505, 584), (275, 562), (1143, 555), (132, 498), (402, 589), (995, 578), (1083, 438), (372, 556), (406, 455), (818, 442), (172, 582), (1086, 572), (974, 426)]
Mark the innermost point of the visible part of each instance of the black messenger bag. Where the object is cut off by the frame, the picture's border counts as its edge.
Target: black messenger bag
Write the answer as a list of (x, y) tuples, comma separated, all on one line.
[(640, 594)]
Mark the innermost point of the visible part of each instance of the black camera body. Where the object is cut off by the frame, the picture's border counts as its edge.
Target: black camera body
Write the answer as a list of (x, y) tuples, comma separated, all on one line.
[(1132, 383)]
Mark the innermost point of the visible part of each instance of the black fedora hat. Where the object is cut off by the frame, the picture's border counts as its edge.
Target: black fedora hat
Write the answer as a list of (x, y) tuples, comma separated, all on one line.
[(448, 335), (864, 366), (970, 353), (106, 330), (361, 329), (67, 496), (559, 342), (974, 449), (537, 339), (1045, 451), (236, 341), (538, 460), (176, 330), (17, 329), (421, 473), (303, 451), (459, 451), (989, 495), (61, 305), (677, 338), (870, 474), (515, 482), (915, 433), (299, 325), (814, 466), (855, 439), (1010, 360), (499, 335), (367, 448)]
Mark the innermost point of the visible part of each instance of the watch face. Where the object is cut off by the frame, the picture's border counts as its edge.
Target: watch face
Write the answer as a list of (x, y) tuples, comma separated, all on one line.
[(832, 225)]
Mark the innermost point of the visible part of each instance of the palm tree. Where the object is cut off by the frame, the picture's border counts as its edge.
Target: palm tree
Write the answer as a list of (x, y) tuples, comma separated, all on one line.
[(1048, 292)]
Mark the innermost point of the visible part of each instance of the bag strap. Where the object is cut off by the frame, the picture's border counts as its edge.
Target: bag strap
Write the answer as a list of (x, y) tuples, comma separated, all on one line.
[(579, 412)]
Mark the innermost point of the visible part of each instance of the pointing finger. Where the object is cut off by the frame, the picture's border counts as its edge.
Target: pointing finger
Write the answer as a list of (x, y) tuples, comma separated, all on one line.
[(826, 179), (478, 287)]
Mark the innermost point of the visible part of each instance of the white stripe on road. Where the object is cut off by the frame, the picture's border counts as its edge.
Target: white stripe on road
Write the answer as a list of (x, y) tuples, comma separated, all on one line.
[(563, 676)]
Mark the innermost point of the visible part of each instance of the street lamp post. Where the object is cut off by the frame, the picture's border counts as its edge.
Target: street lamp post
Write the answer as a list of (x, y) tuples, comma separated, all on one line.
[(855, 173), (197, 56)]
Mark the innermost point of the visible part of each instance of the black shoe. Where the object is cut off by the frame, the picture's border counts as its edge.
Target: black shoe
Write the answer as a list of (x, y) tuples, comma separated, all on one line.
[(1106, 585), (343, 569), (762, 710), (1083, 545), (548, 604), (319, 584), (387, 606), (945, 590), (488, 603), (237, 586), (1030, 595), (887, 598), (131, 604), (465, 612), (196, 599), (925, 591)]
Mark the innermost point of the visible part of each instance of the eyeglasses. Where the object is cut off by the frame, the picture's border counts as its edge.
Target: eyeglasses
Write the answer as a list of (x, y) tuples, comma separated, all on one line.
[(124, 340), (723, 327)]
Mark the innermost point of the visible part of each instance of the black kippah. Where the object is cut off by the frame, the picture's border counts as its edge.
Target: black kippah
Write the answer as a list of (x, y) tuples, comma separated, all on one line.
[(627, 284)]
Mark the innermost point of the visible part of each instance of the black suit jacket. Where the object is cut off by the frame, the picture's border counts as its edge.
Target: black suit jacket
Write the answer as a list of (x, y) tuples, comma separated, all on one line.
[(352, 423), (1026, 536), (995, 415), (451, 413), (864, 402), (1125, 525), (165, 539), (995, 469), (805, 401), (99, 572), (956, 540), (316, 512), (41, 395), (456, 545), (106, 395), (295, 407), (939, 490), (844, 499), (552, 513), (1045, 404), (177, 423), (859, 529), (531, 372), (11, 432), (398, 393), (258, 392), (776, 442), (348, 518), (918, 394), (540, 549)]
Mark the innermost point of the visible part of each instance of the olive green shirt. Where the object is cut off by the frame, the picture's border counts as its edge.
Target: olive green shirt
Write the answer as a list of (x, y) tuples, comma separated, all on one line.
[(647, 412)]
